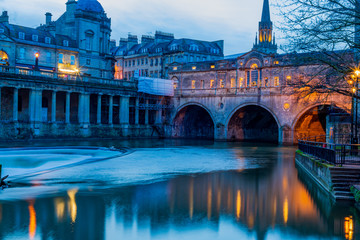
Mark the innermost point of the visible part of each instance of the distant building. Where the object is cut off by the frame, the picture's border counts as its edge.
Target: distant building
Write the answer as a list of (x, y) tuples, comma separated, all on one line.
[(77, 43), (153, 55)]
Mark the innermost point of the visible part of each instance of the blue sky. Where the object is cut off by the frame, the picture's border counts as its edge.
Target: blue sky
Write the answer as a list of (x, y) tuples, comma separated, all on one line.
[(234, 21)]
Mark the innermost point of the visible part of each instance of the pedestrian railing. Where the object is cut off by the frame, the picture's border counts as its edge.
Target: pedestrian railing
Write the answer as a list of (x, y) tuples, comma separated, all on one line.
[(336, 154)]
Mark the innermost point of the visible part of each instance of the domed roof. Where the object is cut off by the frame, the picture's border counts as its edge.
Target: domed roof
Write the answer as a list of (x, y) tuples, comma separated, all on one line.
[(89, 5)]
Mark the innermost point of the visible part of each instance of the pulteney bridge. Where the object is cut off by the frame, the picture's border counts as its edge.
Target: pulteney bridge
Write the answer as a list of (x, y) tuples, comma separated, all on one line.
[(248, 98)]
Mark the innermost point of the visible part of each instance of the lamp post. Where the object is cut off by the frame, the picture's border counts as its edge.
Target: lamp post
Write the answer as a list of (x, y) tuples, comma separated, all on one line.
[(37, 61), (354, 82)]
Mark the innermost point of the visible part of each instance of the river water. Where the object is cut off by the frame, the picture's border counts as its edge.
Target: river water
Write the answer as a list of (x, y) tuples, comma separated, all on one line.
[(166, 190)]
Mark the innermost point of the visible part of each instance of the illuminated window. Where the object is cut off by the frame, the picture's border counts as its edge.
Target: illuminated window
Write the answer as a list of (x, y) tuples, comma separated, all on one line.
[(61, 58), (233, 83), (72, 60), (212, 83), (193, 84), (212, 66), (175, 68), (254, 75), (175, 85), (222, 83), (288, 79), (241, 82), (276, 81), (266, 82), (194, 68), (276, 62)]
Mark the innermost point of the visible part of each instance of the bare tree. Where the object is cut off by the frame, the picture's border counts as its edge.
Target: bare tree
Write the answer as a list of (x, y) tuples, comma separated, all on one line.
[(324, 34)]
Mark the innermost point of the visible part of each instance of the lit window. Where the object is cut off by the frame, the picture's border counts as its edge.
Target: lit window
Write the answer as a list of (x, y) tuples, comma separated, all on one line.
[(222, 84), (193, 84), (175, 68), (266, 82), (61, 58), (276, 62), (72, 60), (22, 53), (212, 83), (21, 35), (48, 40), (35, 38), (276, 81), (175, 84), (65, 43), (194, 68), (233, 83), (212, 66), (241, 82), (288, 79)]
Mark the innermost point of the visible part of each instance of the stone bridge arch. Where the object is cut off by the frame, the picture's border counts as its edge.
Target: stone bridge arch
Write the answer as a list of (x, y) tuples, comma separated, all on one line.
[(311, 121), (253, 121), (193, 120)]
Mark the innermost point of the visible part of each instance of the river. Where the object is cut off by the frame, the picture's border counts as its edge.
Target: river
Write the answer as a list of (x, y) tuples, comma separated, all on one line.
[(166, 189)]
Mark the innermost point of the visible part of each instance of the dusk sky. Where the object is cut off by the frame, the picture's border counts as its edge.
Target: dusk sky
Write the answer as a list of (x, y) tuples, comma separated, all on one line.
[(234, 21)]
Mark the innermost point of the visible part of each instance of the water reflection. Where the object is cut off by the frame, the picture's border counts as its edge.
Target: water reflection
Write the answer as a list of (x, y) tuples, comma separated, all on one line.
[(272, 200)]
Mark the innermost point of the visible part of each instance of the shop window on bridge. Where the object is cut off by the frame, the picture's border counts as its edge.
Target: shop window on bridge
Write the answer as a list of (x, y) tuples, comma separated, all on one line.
[(254, 76), (222, 83), (193, 84), (241, 82), (233, 83), (212, 83), (4, 58), (288, 80), (276, 82), (266, 82)]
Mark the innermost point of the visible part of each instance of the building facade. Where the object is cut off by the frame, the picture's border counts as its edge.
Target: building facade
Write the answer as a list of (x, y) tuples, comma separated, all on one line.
[(154, 54)]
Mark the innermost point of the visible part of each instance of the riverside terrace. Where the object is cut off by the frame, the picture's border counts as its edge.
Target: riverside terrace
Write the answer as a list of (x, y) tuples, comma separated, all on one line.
[(51, 104)]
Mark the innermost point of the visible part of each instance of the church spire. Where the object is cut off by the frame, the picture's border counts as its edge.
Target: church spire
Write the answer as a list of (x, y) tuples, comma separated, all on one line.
[(266, 12), (266, 42)]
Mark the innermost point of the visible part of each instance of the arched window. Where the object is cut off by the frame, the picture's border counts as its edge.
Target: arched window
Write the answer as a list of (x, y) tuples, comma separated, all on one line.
[(254, 75), (4, 58)]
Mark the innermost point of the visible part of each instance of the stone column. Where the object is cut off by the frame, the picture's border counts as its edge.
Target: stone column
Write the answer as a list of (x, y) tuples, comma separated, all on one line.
[(111, 99), (158, 118), (98, 114), (147, 112), (124, 110), (53, 107), (137, 111), (15, 104), (67, 108), (286, 136), (81, 109)]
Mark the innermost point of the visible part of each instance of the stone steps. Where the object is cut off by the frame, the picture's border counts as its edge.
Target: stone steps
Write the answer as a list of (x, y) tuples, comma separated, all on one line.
[(342, 179)]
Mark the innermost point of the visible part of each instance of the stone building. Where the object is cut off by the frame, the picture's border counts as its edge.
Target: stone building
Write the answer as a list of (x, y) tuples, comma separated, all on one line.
[(153, 55), (248, 96)]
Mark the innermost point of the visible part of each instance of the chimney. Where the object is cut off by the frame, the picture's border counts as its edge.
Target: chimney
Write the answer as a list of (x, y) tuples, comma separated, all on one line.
[(48, 18), (4, 18), (132, 41), (123, 42), (147, 39), (163, 37)]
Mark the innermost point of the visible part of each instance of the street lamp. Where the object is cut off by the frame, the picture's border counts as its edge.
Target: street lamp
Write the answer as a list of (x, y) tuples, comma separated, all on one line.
[(37, 61), (354, 81)]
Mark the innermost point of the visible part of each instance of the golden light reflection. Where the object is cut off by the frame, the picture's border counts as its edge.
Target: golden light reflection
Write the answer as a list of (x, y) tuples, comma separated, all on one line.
[(274, 212), (191, 198), (32, 220), (72, 204), (349, 228), (209, 202), (238, 204), (286, 210), (60, 208), (251, 221), (218, 200)]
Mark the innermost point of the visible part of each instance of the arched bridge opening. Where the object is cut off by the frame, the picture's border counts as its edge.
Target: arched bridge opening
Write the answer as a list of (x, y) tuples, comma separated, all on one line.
[(253, 123), (193, 121), (315, 121)]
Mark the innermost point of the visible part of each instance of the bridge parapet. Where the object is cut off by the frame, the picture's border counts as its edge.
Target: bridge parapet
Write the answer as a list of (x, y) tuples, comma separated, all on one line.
[(249, 91)]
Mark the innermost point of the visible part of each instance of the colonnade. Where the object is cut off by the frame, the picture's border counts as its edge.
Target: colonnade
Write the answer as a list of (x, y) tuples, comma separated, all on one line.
[(62, 108)]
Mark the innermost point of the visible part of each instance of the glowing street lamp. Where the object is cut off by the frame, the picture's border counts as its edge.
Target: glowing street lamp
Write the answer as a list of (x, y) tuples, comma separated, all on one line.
[(354, 116), (37, 61)]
